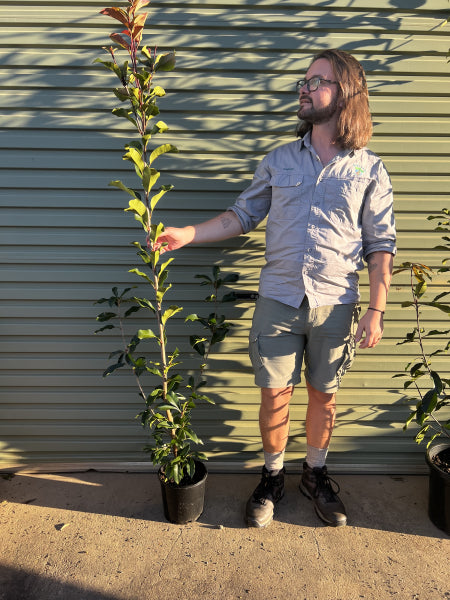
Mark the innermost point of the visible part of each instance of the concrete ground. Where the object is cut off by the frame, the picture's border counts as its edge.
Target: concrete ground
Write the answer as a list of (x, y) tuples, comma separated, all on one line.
[(102, 536)]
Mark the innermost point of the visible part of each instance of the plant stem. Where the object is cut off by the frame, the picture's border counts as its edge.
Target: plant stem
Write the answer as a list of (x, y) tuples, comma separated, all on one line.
[(440, 428), (418, 327)]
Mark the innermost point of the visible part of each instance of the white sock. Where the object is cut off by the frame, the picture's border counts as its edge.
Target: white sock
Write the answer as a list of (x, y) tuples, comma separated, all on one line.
[(316, 457), (274, 461)]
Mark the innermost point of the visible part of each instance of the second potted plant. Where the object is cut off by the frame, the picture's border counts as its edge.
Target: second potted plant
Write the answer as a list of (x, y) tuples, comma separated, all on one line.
[(431, 389)]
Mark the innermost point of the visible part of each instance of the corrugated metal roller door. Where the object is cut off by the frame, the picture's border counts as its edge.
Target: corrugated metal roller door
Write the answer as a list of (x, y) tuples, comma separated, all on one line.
[(65, 240)]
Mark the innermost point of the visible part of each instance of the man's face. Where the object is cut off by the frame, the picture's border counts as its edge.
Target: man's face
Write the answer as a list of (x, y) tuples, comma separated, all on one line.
[(321, 105)]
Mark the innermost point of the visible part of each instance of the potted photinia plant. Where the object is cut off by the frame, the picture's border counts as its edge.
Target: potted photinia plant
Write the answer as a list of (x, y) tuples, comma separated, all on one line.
[(169, 398), (431, 389)]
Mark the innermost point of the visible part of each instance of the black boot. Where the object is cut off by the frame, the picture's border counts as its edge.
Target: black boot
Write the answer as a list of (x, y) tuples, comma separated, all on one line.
[(316, 485), (260, 506)]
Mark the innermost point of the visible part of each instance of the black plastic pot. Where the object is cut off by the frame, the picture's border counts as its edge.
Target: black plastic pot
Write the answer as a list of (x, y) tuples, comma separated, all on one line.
[(439, 490), (184, 503)]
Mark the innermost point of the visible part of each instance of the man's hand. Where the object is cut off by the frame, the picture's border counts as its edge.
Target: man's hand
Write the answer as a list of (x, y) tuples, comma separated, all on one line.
[(173, 238), (224, 226), (371, 326)]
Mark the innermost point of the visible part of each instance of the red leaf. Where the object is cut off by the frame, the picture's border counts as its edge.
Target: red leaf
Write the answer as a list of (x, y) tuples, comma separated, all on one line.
[(140, 20), (137, 34), (116, 13), (118, 39), (141, 3)]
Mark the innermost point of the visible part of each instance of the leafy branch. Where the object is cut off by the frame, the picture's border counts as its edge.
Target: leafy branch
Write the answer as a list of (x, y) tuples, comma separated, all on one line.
[(436, 395)]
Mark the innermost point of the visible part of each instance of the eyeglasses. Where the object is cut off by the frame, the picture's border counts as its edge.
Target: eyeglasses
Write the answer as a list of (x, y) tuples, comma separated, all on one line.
[(311, 84)]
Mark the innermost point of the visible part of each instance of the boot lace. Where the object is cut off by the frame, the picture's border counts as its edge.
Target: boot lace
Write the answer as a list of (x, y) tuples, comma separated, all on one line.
[(325, 486), (267, 488)]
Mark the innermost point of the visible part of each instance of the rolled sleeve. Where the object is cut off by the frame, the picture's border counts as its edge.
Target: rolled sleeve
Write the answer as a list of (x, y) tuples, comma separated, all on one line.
[(378, 224), (253, 205)]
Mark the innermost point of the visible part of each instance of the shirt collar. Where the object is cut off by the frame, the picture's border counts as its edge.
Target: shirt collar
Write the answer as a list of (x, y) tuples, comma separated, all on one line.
[(305, 141)]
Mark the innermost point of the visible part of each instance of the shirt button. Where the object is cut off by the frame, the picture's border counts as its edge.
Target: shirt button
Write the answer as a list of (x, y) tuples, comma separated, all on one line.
[(298, 183)]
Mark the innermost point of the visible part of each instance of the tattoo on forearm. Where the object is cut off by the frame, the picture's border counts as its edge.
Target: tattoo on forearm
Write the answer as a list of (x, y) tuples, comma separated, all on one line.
[(226, 221), (372, 266)]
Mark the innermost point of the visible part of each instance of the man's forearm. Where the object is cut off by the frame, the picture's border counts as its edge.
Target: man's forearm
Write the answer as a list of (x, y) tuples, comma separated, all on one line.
[(380, 274), (224, 226)]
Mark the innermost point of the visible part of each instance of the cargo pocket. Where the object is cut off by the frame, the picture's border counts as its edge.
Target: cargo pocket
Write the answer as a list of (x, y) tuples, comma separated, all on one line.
[(350, 347), (254, 353)]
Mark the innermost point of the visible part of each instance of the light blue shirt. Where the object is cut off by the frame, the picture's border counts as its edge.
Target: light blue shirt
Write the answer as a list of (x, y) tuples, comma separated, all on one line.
[(322, 221)]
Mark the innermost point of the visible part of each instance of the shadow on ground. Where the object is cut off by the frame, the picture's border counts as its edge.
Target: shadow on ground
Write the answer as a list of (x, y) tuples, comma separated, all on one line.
[(386, 503)]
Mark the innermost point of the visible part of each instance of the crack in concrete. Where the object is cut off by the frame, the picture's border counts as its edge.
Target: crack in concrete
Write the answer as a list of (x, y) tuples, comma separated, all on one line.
[(170, 552), (316, 541)]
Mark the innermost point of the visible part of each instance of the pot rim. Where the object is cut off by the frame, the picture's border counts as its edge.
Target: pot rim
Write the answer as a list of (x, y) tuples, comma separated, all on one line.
[(198, 463), (433, 450)]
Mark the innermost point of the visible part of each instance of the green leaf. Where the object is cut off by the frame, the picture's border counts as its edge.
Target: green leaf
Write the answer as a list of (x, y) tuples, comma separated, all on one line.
[(157, 197), (151, 110), (165, 264), (159, 127), (198, 344), (133, 155), (125, 114), (122, 94), (409, 420), (113, 368), (137, 206), (420, 289), (154, 371), (149, 178), (415, 370), (443, 307), (145, 334), (165, 62), (156, 231), (158, 91), (144, 303), (112, 66), (141, 274), (421, 435), (120, 185), (110, 326), (441, 295), (192, 317), (170, 312), (429, 402), (163, 149), (105, 316), (437, 382), (131, 310)]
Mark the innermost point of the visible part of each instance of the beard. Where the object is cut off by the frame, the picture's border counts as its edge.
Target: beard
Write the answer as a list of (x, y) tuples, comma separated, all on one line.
[(315, 116)]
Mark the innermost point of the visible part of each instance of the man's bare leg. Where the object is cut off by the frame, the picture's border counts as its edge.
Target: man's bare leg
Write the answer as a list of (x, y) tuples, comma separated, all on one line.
[(274, 418)]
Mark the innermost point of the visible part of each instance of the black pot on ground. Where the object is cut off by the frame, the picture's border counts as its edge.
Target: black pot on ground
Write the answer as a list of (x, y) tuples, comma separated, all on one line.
[(184, 502), (438, 459)]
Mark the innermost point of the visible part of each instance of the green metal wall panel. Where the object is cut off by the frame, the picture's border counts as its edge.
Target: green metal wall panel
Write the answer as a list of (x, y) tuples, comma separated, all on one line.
[(65, 240)]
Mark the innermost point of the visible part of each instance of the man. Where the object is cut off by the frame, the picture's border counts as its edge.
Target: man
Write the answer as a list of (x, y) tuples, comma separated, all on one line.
[(329, 206)]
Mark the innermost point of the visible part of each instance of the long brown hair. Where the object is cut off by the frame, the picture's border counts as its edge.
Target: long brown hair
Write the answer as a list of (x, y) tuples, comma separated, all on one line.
[(354, 125)]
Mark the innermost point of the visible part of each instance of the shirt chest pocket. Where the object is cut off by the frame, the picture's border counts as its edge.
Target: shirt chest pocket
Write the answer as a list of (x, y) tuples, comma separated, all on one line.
[(286, 195), (344, 199)]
